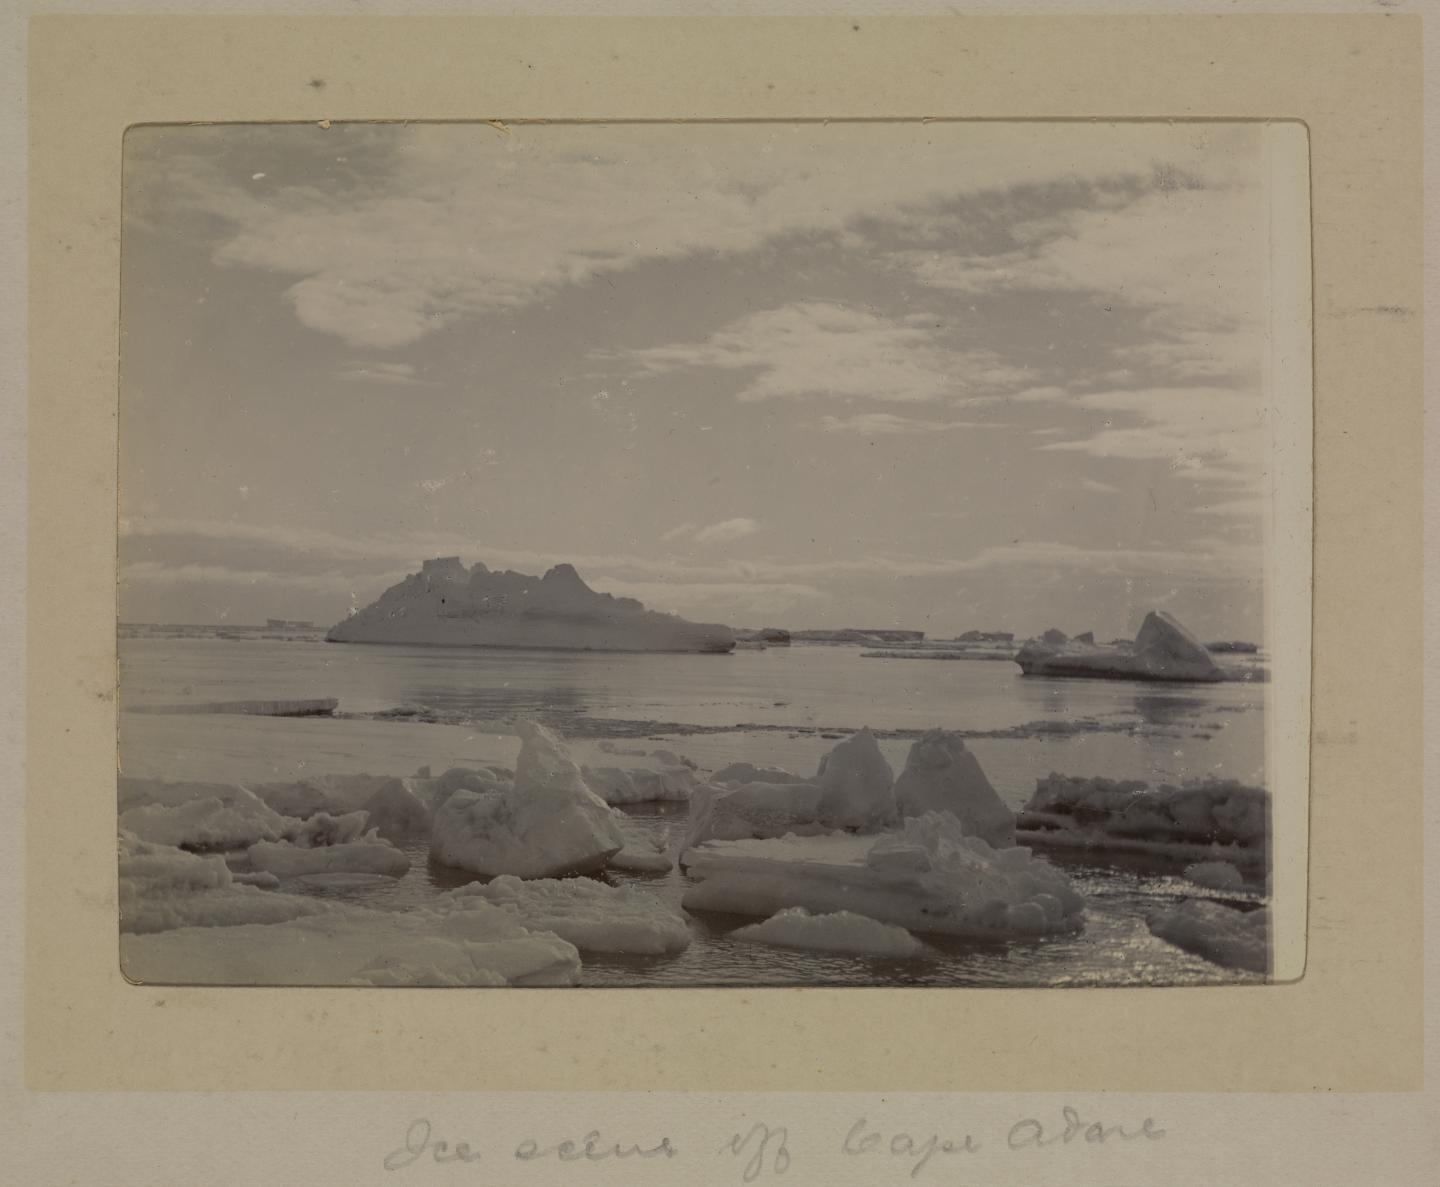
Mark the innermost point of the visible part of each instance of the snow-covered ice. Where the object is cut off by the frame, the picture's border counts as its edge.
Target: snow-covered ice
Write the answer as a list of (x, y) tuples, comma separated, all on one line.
[(838, 931), (548, 822), (1224, 935), (929, 877), (591, 915), (940, 775)]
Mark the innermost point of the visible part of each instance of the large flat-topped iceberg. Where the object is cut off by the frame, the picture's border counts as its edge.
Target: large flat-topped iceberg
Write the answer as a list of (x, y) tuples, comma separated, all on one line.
[(1163, 650), (447, 604)]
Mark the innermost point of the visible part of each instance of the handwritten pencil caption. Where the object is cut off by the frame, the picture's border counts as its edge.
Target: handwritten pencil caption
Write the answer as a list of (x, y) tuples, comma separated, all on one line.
[(764, 1151)]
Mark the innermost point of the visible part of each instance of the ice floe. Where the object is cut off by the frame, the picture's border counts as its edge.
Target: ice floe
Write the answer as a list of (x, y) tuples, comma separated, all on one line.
[(589, 914), (368, 855), (1212, 820), (1223, 935), (838, 931), (161, 887), (475, 946), (928, 877)]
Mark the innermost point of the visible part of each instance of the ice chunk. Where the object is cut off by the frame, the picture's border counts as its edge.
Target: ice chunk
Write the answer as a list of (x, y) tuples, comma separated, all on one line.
[(839, 931), (639, 785), (1216, 875), (940, 775), (549, 822), (352, 946), (589, 914), (228, 818), (397, 813), (642, 854), (260, 878), (300, 800), (367, 856), (754, 810), (852, 791), (324, 829), (856, 784), (322, 793), (1221, 934), (1207, 820), (928, 877)]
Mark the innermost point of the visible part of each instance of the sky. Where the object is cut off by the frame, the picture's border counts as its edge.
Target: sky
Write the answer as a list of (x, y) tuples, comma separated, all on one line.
[(937, 376)]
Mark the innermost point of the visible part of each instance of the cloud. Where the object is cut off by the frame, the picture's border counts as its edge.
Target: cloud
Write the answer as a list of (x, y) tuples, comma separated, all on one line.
[(389, 374), (879, 424), (1192, 252), (817, 348), (425, 225), (724, 532), (1098, 487), (1203, 433), (727, 530)]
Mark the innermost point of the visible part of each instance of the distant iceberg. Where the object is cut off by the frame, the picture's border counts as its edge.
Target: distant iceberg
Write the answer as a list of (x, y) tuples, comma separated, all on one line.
[(447, 604), (1163, 650)]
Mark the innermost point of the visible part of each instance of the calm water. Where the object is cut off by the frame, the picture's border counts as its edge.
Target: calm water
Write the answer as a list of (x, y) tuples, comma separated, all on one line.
[(771, 706)]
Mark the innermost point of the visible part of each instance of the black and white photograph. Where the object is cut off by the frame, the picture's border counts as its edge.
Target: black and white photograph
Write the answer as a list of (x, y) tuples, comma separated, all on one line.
[(724, 554)]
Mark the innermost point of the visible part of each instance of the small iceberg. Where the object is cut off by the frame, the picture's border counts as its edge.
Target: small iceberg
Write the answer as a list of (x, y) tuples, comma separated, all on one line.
[(940, 775), (840, 931), (547, 822)]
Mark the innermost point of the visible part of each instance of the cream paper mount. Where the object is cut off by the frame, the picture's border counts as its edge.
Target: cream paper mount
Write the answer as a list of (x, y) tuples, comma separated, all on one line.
[(1351, 1022)]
